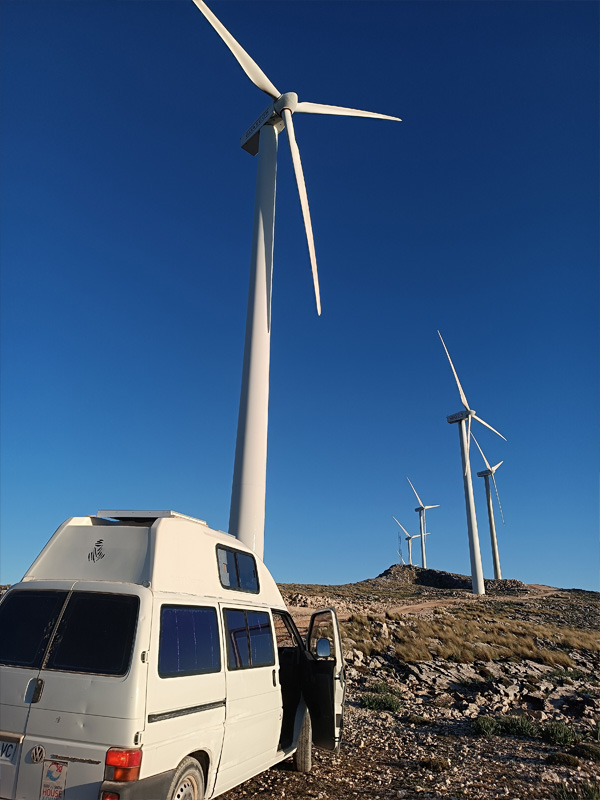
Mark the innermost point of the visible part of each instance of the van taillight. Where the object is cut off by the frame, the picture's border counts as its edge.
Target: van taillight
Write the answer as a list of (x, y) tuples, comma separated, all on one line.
[(109, 796), (122, 765)]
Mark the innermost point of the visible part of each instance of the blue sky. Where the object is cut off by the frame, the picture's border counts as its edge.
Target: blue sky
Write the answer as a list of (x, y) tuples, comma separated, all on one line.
[(126, 224)]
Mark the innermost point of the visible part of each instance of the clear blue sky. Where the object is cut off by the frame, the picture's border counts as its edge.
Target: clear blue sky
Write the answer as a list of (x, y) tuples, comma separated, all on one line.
[(126, 223)]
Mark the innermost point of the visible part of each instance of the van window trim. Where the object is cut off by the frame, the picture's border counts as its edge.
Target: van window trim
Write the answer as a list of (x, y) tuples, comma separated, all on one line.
[(219, 642), (245, 611), (238, 588)]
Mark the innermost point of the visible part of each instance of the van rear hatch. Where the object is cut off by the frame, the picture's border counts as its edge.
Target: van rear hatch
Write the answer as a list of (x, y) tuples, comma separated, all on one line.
[(70, 668)]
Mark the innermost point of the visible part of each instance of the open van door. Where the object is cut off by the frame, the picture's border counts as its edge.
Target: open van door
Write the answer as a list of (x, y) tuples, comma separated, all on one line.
[(326, 684)]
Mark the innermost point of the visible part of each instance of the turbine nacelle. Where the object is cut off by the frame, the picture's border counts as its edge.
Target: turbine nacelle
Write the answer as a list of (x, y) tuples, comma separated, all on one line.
[(288, 100), (460, 415)]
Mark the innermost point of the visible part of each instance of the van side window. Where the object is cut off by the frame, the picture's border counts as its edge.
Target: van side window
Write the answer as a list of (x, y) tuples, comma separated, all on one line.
[(237, 570), (189, 641), (249, 639)]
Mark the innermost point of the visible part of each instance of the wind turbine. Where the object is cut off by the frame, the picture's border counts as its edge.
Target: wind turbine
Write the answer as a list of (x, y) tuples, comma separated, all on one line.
[(402, 561), (409, 539), (247, 511), (421, 511), (464, 432), (487, 474)]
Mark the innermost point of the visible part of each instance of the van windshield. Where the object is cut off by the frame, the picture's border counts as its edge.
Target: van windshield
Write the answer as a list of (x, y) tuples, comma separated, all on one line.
[(92, 633)]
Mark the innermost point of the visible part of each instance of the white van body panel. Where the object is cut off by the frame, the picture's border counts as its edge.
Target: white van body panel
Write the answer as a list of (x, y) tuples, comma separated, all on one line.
[(186, 713), (254, 714), (170, 554), (227, 715)]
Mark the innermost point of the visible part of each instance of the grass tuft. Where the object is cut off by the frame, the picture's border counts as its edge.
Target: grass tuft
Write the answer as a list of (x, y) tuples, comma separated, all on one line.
[(587, 791)]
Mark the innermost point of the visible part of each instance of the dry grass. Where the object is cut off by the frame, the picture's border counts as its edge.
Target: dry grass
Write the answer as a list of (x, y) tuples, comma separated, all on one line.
[(467, 634)]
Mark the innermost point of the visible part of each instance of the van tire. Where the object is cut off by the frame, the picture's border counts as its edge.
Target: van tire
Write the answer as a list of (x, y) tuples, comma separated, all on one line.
[(188, 781), (303, 755)]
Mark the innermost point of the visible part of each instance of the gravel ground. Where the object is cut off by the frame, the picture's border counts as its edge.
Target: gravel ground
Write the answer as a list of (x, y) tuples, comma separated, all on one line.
[(429, 748), (384, 756)]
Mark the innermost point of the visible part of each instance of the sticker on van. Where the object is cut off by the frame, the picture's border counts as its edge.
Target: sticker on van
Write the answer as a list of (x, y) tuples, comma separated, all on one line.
[(54, 780)]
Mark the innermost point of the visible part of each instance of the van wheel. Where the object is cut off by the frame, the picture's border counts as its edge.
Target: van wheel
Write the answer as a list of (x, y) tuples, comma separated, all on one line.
[(188, 782), (303, 755)]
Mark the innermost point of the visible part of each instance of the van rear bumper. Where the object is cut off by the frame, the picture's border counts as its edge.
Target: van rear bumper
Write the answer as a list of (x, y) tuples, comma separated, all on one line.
[(152, 788)]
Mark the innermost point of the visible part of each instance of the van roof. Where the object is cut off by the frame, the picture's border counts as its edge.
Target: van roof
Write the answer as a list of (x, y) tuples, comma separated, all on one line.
[(163, 550), (145, 515)]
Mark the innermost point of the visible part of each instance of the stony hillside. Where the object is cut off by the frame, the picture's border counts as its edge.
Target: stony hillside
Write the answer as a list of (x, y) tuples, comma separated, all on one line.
[(453, 696)]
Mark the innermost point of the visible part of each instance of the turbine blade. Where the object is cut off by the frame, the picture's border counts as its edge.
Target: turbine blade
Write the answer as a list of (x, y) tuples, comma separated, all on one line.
[(415, 491), (498, 498), (460, 389), (341, 111), (436, 506), (481, 451), (496, 467), (489, 426), (402, 526), (250, 67), (287, 118)]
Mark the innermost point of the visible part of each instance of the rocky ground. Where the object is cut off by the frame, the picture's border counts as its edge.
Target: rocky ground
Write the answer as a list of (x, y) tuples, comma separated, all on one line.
[(512, 727)]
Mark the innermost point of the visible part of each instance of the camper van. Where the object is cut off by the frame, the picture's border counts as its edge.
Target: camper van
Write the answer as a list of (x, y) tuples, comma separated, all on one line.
[(145, 656)]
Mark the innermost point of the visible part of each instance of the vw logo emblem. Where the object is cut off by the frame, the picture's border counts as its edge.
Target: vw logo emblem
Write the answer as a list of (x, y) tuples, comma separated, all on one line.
[(38, 754)]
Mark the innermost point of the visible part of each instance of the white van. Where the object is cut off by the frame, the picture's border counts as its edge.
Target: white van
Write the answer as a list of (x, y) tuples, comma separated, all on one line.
[(145, 656)]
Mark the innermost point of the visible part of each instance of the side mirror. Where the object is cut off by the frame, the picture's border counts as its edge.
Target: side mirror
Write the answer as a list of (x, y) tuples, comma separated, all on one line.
[(323, 648)]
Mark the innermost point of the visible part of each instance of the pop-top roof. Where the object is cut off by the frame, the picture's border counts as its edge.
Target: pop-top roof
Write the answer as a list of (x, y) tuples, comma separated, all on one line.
[(128, 514)]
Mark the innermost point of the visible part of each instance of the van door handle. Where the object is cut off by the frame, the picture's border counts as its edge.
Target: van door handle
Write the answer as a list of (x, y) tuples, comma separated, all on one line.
[(274, 678), (37, 692)]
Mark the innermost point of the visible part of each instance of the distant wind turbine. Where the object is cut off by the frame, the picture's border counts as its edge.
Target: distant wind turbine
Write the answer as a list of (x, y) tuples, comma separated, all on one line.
[(400, 556), (247, 512), (409, 539), (464, 432), (487, 474), (421, 511)]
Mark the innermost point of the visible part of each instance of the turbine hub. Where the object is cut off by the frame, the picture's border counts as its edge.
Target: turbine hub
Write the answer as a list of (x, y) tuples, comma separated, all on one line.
[(288, 100)]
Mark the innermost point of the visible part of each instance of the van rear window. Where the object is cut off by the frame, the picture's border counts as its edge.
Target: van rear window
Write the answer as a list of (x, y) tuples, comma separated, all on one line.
[(27, 620), (95, 634)]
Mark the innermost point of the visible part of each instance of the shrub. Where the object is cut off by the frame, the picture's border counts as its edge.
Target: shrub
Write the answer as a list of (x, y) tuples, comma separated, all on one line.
[(563, 760), (383, 688), (486, 726), (435, 764), (416, 719), (586, 750), (558, 733), (519, 726), (380, 702)]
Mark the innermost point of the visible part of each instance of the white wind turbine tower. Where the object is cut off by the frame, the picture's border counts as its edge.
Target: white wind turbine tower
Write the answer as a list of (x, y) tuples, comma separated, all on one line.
[(464, 432), (247, 512), (409, 539), (487, 474), (421, 511)]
